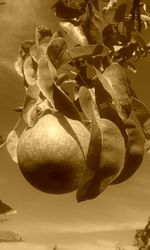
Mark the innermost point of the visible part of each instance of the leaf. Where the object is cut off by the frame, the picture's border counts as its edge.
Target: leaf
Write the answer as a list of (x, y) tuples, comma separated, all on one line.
[(87, 102), (64, 104), (75, 4), (107, 165), (114, 81), (108, 14), (75, 32), (93, 162), (42, 32), (46, 74), (30, 105), (143, 115), (120, 13), (55, 49), (6, 209), (30, 71), (137, 37), (145, 18), (130, 66), (90, 30), (35, 53), (25, 48), (103, 164), (106, 107), (78, 52), (19, 66), (11, 144), (96, 4), (66, 12), (18, 109), (134, 150), (2, 142)]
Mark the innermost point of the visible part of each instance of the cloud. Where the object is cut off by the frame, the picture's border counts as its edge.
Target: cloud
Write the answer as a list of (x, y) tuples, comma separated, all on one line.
[(89, 227), (22, 246)]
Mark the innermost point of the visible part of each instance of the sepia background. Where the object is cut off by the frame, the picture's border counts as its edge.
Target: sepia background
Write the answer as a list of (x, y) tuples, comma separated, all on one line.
[(44, 220)]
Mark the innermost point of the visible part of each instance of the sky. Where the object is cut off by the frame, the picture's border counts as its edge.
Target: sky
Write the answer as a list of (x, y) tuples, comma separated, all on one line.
[(44, 220)]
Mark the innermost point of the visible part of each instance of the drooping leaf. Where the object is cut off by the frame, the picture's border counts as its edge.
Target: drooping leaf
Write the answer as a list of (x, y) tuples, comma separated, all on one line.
[(64, 104), (134, 150), (29, 69), (46, 74), (64, 11), (143, 115), (92, 165), (106, 107), (114, 81), (75, 32), (11, 144), (87, 102), (100, 169)]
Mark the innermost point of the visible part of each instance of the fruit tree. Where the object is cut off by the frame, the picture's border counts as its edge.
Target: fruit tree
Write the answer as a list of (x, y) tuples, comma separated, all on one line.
[(84, 126)]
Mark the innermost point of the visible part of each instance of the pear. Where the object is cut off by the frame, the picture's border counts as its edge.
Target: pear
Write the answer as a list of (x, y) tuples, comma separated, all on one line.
[(52, 153)]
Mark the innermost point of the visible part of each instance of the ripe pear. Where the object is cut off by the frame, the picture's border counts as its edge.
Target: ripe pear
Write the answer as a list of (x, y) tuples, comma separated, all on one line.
[(52, 153)]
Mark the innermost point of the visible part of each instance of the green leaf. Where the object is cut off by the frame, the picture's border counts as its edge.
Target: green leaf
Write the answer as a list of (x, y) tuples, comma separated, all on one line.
[(114, 81), (11, 143), (75, 32), (46, 74), (29, 71), (134, 150), (64, 104), (143, 115)]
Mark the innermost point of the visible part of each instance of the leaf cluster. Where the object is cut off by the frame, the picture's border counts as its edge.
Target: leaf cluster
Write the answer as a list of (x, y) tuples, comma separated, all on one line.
[(85, 81)]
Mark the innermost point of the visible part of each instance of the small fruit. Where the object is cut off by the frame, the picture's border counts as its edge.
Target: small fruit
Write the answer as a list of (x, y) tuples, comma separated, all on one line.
[(51, 154)]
